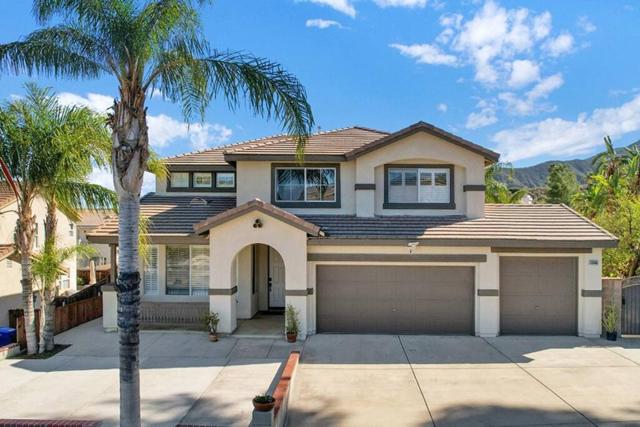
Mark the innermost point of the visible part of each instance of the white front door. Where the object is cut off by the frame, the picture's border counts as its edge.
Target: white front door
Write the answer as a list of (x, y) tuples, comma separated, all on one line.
[(276, 279)]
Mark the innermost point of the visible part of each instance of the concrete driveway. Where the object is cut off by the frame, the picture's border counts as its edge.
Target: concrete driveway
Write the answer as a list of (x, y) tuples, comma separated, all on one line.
[(184, 378), (372, 380)]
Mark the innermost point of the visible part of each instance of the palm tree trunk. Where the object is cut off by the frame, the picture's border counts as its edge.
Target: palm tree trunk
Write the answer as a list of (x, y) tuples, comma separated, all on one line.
[(25, 227), (128, 286), (48, 315)]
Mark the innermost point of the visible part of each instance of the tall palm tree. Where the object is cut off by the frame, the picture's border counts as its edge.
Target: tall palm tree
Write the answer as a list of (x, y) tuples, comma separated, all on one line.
[(50, 150), (147, 45), (609, 161)]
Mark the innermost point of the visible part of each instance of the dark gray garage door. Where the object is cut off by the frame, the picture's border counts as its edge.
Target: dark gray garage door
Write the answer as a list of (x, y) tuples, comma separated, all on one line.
[(395, 300), (538, 295)]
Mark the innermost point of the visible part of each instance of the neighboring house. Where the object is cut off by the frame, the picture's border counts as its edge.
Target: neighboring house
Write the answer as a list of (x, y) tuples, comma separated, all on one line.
[(89, 221), (10, 269), (375, 233)]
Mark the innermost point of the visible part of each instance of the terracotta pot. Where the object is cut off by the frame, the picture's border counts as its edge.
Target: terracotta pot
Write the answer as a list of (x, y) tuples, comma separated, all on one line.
[(612, 336), (213, 337), (264, 407), (292, 337)]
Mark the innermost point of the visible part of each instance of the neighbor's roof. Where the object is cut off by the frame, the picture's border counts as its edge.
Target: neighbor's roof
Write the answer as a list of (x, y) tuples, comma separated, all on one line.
[(503, 226), (335, 145), (6, 250), (6, 195)]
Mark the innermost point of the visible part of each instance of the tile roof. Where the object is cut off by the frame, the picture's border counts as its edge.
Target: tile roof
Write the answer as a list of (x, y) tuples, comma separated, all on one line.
[(509, 225), (334, 142), (503, 225), (172, 215), (6, 250), (6, 195)]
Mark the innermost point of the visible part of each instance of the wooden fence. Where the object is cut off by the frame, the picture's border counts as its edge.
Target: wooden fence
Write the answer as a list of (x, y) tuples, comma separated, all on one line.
[(66, 317)]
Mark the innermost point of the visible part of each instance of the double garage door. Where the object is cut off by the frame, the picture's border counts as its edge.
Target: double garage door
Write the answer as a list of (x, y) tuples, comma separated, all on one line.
[(537, 296)]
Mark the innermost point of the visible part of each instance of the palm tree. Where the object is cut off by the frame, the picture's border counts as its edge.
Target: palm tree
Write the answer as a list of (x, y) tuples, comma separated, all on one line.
[(497, 191), (47, 267), (631, 161), (148, 45), (608, 162), (50, 149)]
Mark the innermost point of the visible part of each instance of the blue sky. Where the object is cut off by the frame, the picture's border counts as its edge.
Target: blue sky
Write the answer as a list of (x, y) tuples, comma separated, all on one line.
[(534, 80)]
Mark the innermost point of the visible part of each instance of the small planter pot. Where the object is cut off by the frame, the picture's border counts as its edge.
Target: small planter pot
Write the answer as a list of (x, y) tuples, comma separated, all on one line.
[(612, 336), (213, 337), (292, 337), (264, 406)]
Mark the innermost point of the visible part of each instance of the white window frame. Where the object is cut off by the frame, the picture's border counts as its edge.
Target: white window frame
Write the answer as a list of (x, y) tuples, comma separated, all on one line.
[(305, 169), (233, 178), (195, 180), (157, 272), (190, 294), (420, 171), (173, 182)]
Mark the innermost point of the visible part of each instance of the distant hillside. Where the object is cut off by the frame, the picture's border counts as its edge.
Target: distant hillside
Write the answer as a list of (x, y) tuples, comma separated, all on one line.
[(536, 175)]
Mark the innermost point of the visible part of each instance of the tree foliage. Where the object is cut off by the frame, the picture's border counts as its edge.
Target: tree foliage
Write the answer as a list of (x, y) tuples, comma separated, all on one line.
[(562, 184), (497, 191)]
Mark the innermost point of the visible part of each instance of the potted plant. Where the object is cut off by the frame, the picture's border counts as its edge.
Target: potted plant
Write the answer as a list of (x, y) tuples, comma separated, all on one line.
[(263, 402), (211, 321), (610, 322), (292, 325)]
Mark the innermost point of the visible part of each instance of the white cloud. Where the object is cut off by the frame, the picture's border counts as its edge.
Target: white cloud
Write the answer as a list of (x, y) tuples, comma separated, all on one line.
[(343, 6), (104, 178), (560, 45), (163, 129), (529, 102), (586, 25), (442, 107), (559, 137), (523, 72), (322, 23), (401, 3), (97, 102), (425, 53), (542, 25), (485, 117)]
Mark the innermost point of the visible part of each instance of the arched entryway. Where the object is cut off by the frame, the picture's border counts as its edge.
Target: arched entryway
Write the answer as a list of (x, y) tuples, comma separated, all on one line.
[(258, 270)]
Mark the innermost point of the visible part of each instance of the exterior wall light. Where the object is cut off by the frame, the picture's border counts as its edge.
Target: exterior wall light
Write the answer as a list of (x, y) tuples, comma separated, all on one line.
[(412, 246)]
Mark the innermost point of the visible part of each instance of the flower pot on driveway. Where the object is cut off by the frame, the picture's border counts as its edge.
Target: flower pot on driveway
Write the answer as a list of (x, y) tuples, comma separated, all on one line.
[(612, 336), (263, 403), (213, 337), (292, 337)]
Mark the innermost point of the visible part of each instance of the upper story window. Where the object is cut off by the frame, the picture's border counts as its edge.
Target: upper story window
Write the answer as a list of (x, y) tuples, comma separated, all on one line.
[(312, 186), (419, 187), (202, 180), (225, 180), (213, 181), (179, 179)]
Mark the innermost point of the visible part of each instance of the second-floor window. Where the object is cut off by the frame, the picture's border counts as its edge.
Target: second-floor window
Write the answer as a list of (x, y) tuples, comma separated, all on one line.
[(416, 187), (202, 180), (179, 179), (298, 184)]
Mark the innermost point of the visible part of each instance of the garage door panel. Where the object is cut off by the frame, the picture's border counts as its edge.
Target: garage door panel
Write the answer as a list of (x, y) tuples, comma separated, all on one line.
[(538, 295), (395, 299)]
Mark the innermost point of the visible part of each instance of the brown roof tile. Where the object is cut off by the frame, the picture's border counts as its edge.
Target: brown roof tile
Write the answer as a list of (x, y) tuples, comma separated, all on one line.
[(6, 250), (6, 195)]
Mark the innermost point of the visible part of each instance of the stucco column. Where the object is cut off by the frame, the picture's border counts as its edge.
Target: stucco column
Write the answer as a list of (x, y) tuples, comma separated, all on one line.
[(488, 297), (222, 290), (365, 190), (590, 296)]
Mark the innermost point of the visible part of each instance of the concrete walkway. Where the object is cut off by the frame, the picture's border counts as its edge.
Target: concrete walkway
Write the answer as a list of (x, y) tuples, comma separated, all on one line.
[(369, 380), (184, 378)]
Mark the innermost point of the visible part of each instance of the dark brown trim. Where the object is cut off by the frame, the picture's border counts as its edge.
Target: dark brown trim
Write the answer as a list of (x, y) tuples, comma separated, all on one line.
[(515, 243), (452, 193), (318, 205), (488, 292), (223, 291), (397, 257), (298, 292), (591, 293), (542, 250), (474, 187), (283, 157), (489, 155), (192, 189), (365, 187), (200, 168)]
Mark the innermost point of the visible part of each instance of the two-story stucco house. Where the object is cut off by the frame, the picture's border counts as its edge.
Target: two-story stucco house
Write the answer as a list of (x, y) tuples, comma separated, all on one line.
[(10, 269), (375, 233)]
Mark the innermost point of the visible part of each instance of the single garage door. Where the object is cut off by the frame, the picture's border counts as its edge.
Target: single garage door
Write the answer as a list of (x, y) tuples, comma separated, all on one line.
[(395, 299), (539, 295)]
